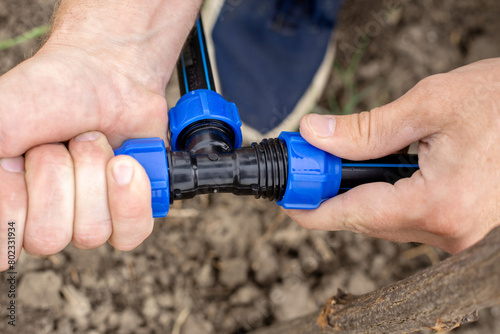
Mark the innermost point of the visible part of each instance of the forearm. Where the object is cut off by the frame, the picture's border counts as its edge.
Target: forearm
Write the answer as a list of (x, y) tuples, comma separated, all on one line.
[(142, 36)]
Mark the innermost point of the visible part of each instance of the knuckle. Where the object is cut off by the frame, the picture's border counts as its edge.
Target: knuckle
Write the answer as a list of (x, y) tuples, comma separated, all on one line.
[(6, 258), (301, 218), (133, 212), (353, 223), (13, 200), (91, 239), (44, 243), (11, 144), (55, 155), (125, 247), (432, 89), (350, 223), (436, 103), (4, 265), (156, 108), (362, 128), (10, 149), (431, 82), (6, 144), (365, 131), (89, 151), (128, 237), (304, 223)]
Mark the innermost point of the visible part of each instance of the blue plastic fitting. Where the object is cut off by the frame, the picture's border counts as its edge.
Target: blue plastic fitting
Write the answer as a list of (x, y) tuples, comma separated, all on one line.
[(313, 175), (151, 154), (203, 104)]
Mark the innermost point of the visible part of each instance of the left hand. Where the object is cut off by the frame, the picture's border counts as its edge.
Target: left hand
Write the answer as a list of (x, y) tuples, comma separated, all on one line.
[(99, 80)]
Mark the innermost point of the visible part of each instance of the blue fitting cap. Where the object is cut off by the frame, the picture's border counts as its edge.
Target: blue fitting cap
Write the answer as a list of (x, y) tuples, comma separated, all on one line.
[(203, 104), (313, 175), (151, 154)]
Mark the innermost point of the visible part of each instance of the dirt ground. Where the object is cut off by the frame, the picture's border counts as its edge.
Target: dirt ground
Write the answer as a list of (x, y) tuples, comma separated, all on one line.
[(222, 264)]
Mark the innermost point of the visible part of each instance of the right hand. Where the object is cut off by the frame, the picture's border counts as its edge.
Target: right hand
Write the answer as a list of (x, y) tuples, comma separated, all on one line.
[(454, 199)]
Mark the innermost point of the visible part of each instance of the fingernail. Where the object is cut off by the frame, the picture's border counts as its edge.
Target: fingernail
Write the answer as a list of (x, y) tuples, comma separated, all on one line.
[(322, 125), (13, 164), (88, 136), (123, 172)]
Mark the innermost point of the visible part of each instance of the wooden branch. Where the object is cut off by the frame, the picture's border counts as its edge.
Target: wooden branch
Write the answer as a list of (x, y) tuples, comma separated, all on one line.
[(441, 297)]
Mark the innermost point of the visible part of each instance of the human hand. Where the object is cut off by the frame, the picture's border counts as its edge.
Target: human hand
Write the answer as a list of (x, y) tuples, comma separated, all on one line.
[(107, 85), (454, 199), (73, 192)]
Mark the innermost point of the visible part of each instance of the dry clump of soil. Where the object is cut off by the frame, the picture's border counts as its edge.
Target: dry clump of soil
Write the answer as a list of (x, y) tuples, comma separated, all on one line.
[(223, 264)]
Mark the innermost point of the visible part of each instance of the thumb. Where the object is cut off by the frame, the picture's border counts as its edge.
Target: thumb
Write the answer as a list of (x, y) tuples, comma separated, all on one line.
[(370, 134)]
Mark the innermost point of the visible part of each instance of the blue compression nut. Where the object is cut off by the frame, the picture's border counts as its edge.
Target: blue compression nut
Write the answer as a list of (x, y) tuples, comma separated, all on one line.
[(151, 154), (199, 105), (313, 175)]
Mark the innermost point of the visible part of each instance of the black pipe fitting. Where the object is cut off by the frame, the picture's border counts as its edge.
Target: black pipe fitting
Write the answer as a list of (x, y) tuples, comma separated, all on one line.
[(259, 170)]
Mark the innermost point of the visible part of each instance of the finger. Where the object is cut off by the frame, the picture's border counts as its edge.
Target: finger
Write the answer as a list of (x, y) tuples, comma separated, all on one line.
[(51, 199), (380, 210), (379, 132), (92, 225), (129, 192), (13, 207)]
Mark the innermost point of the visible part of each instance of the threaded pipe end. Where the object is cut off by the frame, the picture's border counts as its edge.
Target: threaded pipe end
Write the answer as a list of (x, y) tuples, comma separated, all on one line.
[(272, 156)]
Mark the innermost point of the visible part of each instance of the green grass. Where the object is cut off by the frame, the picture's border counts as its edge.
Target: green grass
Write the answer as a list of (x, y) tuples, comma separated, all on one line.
[(353, 95), (29, 35)]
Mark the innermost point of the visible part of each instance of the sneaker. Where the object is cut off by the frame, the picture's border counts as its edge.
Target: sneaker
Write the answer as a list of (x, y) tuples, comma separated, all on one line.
[(271, 57)]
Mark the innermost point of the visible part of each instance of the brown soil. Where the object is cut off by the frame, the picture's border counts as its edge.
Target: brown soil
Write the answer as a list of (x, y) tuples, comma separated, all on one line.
[(222, 264)]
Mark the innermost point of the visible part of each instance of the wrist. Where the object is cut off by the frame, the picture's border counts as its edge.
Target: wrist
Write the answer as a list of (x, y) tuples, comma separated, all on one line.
[(141, 39)]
